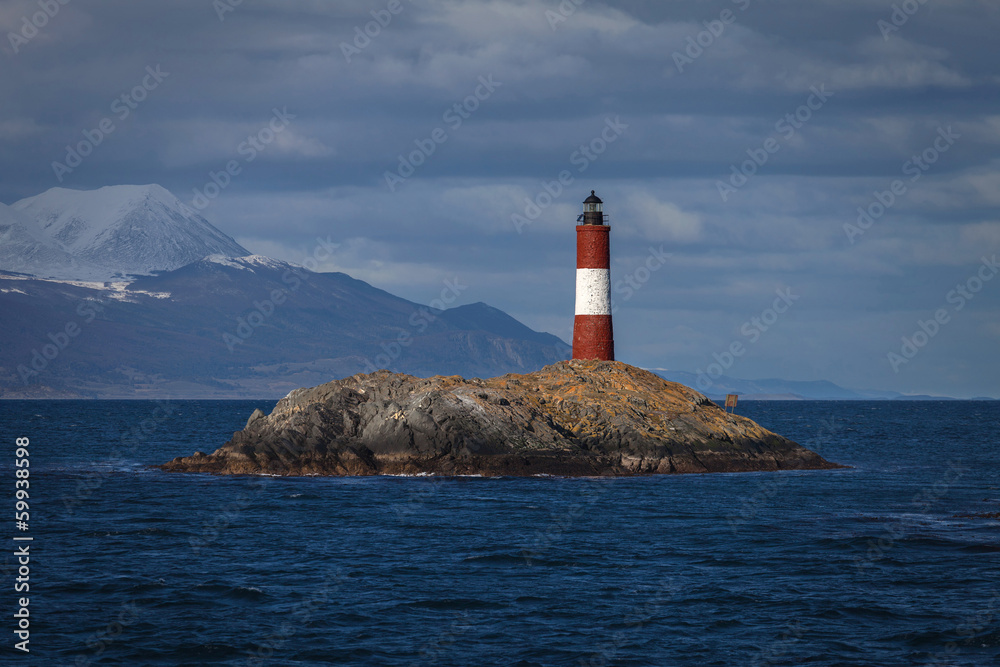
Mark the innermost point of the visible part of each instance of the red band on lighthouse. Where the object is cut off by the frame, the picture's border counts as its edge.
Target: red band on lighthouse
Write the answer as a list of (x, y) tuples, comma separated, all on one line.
[(593, 247), (592, 331)]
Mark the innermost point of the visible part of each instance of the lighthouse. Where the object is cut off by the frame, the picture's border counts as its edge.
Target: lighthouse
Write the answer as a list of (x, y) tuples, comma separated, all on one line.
[(592, 334)]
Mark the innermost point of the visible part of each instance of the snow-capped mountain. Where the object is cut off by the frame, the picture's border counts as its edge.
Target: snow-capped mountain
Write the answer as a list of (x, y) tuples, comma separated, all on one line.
[(106, 234), (130, 293), (25, 249)]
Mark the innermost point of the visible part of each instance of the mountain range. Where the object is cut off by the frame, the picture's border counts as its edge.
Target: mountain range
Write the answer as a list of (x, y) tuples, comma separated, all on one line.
[(783, 390), (126, 292)]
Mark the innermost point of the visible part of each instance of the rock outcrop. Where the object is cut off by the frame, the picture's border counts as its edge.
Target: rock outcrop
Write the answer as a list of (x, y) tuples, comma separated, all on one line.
[(574, 418)]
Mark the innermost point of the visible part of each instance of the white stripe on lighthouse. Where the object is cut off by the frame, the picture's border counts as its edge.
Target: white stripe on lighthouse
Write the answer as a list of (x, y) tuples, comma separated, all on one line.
[(593, 292)]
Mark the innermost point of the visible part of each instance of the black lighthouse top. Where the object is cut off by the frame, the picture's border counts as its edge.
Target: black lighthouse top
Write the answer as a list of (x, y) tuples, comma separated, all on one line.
[(593, 209)]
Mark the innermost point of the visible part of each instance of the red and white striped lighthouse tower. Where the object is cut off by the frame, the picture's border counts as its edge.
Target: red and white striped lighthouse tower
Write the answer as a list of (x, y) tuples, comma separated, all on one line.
[(592, 334)]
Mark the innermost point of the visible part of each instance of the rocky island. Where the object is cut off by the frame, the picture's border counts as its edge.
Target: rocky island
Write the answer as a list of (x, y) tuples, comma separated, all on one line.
[(573, 418)]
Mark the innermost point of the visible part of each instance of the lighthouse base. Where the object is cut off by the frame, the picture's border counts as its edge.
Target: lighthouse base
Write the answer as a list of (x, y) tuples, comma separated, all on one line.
[(593, 338)]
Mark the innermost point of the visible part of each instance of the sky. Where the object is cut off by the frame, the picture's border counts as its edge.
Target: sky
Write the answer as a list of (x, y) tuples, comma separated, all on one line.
[(797, 190)]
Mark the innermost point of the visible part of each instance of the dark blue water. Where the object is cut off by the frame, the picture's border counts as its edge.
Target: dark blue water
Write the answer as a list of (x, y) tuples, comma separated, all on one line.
[(866, 566)]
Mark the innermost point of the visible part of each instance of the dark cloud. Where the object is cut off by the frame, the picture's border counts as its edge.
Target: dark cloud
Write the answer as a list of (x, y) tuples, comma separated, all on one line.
[(559, 84)]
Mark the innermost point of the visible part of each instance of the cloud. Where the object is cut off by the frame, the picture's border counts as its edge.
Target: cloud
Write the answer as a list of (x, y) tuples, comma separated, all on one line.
[(657, 220), (355, 117)]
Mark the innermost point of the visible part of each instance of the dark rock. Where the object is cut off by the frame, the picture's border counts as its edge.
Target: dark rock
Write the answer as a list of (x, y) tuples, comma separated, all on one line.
[(577, 418), (257, 414)]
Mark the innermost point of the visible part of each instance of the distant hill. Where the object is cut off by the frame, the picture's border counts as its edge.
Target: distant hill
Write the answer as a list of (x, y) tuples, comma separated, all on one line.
[(213, 328), (774, 389), (124, 292)]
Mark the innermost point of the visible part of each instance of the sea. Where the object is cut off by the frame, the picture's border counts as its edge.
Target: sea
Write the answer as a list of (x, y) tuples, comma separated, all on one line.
[(893, 560)]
